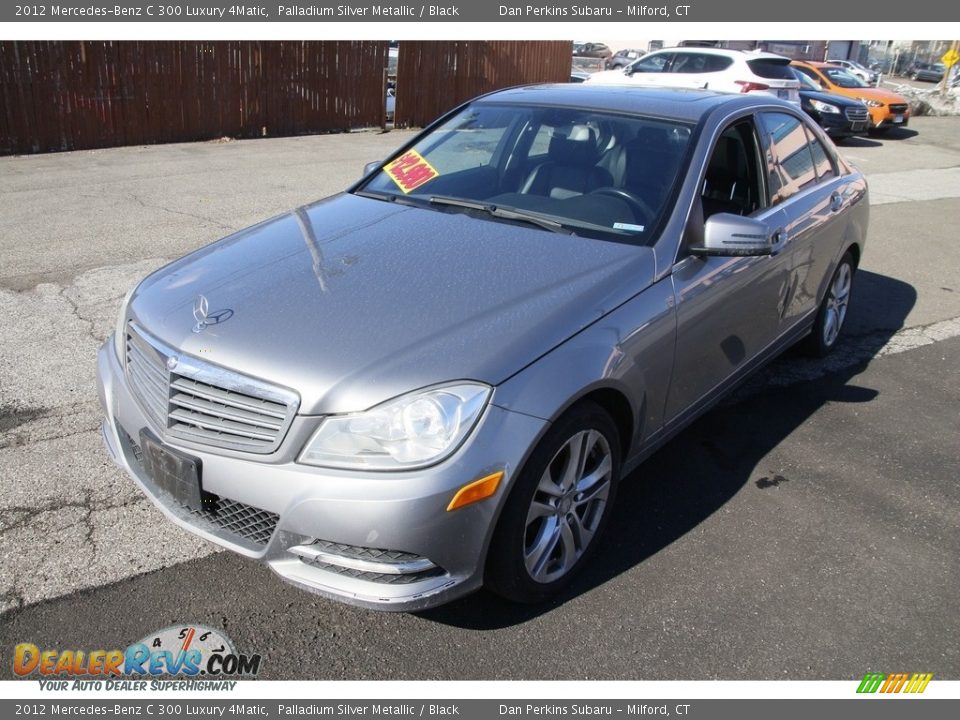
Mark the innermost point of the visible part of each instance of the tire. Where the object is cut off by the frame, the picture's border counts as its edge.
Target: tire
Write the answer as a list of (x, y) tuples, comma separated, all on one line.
[(554, 518), (833, 309)]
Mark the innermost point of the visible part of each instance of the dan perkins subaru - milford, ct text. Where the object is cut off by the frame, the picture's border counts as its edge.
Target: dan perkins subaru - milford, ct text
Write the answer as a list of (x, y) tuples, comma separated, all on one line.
[(555, 11)]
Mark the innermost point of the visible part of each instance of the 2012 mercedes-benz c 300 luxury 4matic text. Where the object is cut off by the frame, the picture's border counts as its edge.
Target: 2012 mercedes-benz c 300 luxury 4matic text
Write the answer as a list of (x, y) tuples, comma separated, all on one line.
[(435, 380)]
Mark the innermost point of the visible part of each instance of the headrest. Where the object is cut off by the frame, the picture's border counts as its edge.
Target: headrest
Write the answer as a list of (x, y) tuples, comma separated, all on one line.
[(574, 145)]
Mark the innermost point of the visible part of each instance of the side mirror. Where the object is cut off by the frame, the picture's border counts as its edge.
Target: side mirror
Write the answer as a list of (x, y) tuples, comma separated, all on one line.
[(371, 166), (729, 235)]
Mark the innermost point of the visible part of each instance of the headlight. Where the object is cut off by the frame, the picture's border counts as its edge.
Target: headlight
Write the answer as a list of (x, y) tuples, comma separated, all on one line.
[(825, 107), (414, 430), (120, 331), (871, 103)]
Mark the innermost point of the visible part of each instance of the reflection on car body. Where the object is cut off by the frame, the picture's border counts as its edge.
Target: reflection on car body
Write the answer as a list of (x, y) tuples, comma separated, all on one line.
[(435, 380)]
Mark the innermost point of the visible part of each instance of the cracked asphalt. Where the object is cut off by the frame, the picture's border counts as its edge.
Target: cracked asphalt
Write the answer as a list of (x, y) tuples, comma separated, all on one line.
[(805, 528)]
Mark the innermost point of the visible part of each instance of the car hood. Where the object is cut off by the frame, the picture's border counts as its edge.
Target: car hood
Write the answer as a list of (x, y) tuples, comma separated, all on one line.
[(352, 301), (827, 97), (890, 98), (613, 77)]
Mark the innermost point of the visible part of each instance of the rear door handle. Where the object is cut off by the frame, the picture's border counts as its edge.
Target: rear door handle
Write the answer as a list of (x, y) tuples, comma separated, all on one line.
[(836, 202)]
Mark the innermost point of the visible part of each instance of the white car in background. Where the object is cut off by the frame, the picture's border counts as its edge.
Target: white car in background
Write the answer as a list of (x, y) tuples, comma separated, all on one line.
[(733, 71), (854, 68)]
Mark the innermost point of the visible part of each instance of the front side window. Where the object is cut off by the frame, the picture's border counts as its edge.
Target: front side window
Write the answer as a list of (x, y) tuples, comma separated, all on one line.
[(652, 63)]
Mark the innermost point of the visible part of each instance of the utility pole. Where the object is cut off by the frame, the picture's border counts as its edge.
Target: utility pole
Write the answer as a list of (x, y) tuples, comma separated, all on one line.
[(949, 59)]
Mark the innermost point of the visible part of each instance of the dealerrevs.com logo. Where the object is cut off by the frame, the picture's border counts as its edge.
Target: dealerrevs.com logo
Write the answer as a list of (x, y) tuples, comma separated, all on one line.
[(185, 651)]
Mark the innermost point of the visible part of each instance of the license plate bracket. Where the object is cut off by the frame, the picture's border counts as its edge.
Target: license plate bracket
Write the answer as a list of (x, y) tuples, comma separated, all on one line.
[(857, 126), (898, 119), (173, 471)]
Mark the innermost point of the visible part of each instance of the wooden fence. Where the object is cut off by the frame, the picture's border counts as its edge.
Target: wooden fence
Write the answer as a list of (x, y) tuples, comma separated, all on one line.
[(75, 95), (434, 77)]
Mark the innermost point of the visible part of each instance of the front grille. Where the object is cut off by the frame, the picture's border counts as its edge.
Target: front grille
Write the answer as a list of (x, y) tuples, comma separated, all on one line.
[(246, 522), (149, 377), (364, 553), (856, 114), (899, 108), (383, 578), (210, 415), (189, 399)]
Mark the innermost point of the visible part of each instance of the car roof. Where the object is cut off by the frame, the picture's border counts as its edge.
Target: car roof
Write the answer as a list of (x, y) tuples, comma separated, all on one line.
[(683, 104), (816, 64), (745, 54)]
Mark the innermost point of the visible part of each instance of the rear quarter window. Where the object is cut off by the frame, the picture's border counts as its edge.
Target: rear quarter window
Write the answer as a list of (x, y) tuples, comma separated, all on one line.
[(771, 69)]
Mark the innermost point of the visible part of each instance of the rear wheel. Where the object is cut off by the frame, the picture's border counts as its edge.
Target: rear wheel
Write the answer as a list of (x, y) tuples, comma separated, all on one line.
[(558, 508), (833, 309)]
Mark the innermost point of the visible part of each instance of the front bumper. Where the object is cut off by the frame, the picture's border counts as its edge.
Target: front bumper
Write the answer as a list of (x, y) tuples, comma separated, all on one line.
[(298, 518), (836, 125), (883, 117)]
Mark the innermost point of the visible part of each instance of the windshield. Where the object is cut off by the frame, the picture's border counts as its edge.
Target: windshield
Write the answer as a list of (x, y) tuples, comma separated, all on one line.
[(569, 170), (805, 82), (842, 78)]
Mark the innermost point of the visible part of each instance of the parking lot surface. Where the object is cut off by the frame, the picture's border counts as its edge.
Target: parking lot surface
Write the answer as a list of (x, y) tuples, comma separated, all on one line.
[(806, 528)]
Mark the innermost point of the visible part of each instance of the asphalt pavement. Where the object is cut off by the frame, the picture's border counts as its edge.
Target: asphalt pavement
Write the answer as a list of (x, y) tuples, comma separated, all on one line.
[(807, 528)]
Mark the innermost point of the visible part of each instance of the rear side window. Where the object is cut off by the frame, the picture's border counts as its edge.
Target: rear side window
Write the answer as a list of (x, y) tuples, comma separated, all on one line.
[(789, 159), (821, 160), (699, 63), (771, 69)]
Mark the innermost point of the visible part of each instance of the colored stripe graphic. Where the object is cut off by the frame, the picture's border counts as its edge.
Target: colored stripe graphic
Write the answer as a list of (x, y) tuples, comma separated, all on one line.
[(894, 682), (918, 683), (870, 683)]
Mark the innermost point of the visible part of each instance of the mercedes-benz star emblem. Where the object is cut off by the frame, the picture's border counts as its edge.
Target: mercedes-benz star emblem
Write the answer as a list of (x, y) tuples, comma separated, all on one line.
[(204, 317)]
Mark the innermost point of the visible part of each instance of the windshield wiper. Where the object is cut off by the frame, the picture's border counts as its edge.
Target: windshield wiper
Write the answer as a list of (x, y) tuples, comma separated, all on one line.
[(504, 213), (388, 197)]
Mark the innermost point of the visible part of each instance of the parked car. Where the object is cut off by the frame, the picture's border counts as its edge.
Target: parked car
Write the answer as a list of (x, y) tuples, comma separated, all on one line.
[(712, 68), (870, 77), (930, 72), (592, 50), (578, 76), (622, 58), (887, 109), (436, 379), (391, 103), (839, 116)]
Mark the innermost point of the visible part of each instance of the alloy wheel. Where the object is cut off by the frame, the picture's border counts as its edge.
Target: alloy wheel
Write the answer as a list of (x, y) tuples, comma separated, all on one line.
[(567, 506), (838, 298)]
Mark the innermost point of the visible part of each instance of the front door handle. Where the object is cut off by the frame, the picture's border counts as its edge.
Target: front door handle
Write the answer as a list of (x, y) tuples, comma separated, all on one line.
[(836, 202)]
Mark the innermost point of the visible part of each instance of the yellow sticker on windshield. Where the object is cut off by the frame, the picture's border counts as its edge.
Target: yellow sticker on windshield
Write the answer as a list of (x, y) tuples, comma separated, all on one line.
[(410, 171)]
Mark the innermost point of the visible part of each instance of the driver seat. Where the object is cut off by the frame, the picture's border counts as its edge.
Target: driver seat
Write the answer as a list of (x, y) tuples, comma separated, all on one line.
[(570, 169)]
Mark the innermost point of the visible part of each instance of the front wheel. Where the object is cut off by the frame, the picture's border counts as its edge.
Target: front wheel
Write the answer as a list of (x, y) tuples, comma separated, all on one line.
[(833, 309), (558, 508)]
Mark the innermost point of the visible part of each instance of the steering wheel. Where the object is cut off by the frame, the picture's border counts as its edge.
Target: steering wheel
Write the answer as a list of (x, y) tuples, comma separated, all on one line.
[(635, 202)]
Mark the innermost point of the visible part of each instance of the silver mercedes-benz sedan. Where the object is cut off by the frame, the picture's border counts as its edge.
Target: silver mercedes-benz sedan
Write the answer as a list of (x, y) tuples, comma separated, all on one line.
[(435, 380)]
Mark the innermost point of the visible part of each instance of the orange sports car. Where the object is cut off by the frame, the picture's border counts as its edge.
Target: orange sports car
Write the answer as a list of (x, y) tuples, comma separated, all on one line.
[(887, 109)]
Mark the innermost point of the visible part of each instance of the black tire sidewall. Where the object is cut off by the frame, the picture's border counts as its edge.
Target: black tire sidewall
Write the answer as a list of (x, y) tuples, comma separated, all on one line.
[(505, 574)]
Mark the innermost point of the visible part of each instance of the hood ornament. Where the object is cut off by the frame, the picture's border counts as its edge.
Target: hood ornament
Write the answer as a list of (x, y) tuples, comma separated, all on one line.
[(204, 317)]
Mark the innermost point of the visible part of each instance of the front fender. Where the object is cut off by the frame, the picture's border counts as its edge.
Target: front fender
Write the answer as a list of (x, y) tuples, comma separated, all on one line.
[(629, 350)]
